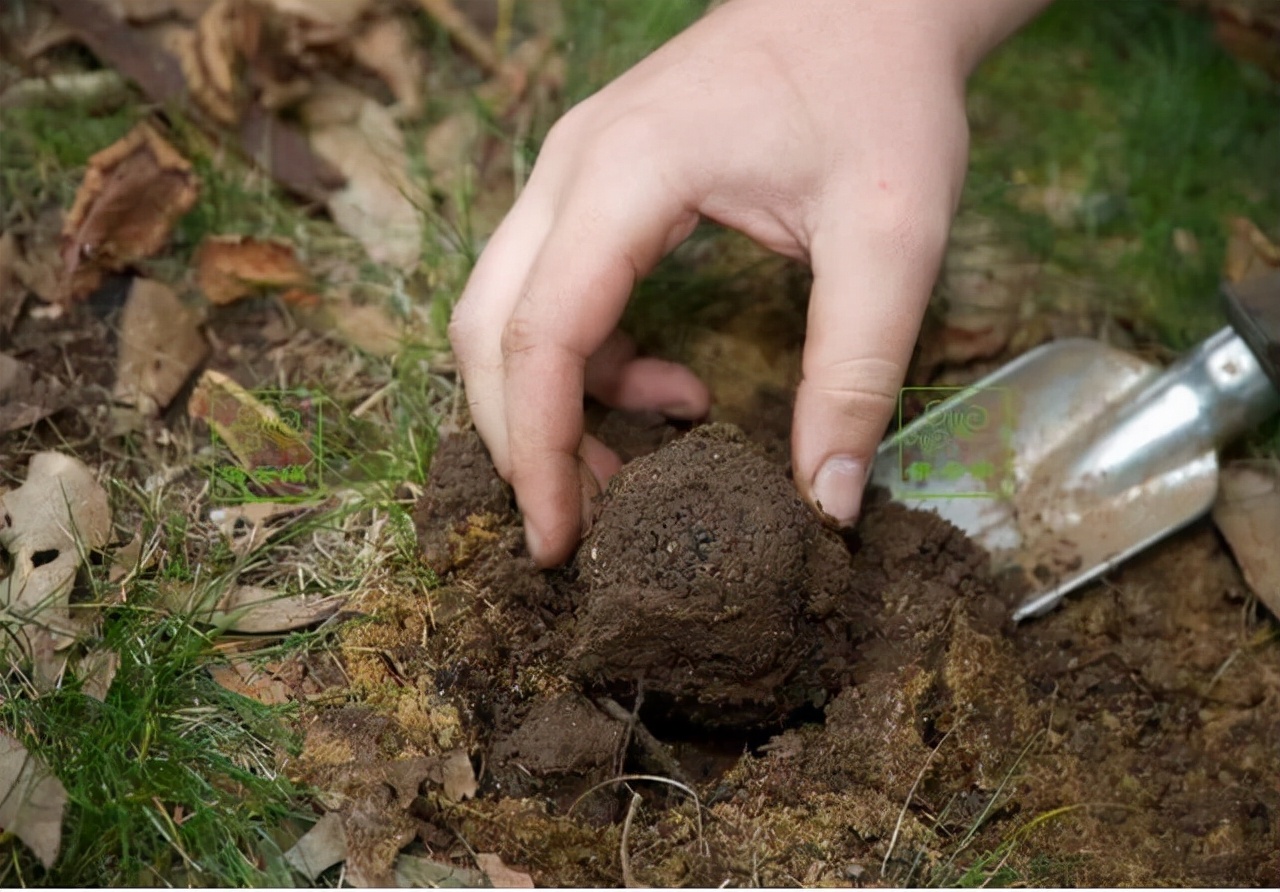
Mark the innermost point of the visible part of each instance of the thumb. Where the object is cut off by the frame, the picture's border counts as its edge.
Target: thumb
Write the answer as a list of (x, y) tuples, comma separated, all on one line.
[(871, 286)]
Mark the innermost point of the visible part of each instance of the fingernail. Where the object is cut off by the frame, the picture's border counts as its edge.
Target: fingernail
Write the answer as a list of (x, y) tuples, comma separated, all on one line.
[(837, 488)]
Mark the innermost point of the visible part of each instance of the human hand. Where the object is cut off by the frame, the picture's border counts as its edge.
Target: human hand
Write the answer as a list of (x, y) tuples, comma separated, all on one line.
[(830, 131)]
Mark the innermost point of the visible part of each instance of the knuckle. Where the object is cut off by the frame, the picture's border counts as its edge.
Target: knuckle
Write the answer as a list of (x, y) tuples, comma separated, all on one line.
[(913, 227), (567, 133), (519, 336), (866, 387)]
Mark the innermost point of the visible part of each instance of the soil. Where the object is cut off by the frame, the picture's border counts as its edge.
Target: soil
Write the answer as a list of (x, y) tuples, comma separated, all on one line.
[(851, 710)]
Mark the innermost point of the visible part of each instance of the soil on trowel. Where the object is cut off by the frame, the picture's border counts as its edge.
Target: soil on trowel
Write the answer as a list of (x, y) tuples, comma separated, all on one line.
[(849, 709)]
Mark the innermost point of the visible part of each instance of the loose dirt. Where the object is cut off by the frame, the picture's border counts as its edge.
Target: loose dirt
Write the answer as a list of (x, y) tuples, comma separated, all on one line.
[(850, 710)]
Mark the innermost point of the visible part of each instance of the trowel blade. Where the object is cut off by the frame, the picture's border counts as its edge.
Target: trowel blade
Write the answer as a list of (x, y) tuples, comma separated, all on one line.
[(996, 459)]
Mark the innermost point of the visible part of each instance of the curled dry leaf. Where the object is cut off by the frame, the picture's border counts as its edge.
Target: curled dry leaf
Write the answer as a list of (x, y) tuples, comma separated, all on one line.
[(210, 55), (252, 430), (500, 876), (231, 267), (1247, 513), (160, 346), (133, 193), (31, 800), (379, 204), (59, 513), (25, 396)]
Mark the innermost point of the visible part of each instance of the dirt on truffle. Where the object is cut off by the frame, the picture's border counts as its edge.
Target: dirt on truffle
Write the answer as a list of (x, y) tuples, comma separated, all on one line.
[(850, 710)]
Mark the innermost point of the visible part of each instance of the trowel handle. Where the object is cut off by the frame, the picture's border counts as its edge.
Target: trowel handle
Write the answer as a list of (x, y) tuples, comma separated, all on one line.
[(1254, 310)]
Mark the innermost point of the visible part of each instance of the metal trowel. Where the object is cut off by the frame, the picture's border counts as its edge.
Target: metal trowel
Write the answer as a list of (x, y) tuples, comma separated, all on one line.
[(1077, 455)]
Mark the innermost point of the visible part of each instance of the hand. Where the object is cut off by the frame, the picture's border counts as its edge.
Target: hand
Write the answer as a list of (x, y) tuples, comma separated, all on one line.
[(831, 131)]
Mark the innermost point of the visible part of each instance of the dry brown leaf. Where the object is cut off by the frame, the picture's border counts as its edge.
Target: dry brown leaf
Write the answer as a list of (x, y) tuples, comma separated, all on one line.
[(321, 847), (379, 204), (25, 396), (1248, 514), (59, 513), (133, 193), (97, 669), (387, 49), (500, 876), (255, 682), (127, 558), (1250, 254), (160, 346), (250, 608), (210, 56), (231, 267), (252, 430), (31, 800)]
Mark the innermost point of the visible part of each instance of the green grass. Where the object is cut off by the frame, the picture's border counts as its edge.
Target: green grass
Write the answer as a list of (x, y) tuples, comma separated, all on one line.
[(1135, 106), (166, 738)]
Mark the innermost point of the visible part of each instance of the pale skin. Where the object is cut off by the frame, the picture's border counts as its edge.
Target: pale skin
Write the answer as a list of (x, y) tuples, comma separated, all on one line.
[(829, 131)]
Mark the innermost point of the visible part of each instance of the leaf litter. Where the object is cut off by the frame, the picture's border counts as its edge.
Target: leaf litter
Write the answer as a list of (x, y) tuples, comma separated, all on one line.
[(32, 800), (133, 194), (161, 345), (48, 526)]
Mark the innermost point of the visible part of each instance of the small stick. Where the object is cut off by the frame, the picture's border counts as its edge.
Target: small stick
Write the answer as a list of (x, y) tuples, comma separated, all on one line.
[(652, 746), (628, 878)]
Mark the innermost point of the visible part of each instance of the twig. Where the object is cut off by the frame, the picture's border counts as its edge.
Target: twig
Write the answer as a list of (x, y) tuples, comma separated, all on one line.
[(657, 752), (628, 878)]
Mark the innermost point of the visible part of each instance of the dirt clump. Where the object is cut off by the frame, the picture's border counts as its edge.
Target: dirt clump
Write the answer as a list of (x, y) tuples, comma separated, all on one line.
[(706, 578)]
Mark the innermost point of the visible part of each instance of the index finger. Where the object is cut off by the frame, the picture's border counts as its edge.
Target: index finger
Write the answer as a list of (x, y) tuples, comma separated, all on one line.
[(604, 239)]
